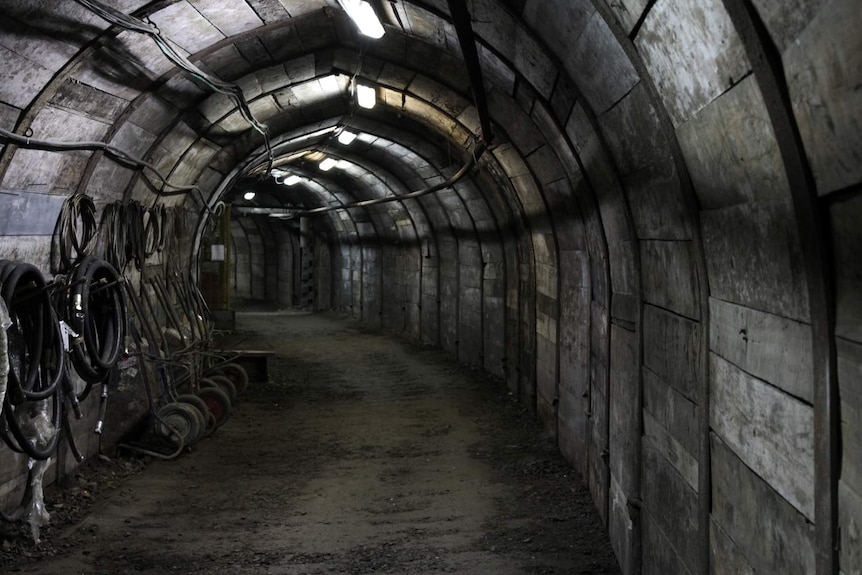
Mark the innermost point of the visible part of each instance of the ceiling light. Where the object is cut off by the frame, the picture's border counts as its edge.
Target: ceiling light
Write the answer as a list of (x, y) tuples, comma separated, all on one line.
[(366, 96), (364, 17), (291, 180), (346, 136), (327, 164), (248, 195)]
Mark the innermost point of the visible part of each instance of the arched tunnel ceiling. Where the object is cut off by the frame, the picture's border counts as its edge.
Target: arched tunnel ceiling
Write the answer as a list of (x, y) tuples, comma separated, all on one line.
[(296, 65), (593, 111), (661, 173)]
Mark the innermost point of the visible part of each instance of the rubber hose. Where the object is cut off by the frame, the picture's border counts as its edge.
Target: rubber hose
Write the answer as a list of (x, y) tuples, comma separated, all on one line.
[(97, 312), (24, 443), (35, 347)]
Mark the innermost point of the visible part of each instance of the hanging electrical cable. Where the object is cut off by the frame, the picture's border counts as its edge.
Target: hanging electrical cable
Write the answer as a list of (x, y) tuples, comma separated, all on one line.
[(477, 152), (117, 154), (153, 230), (75, 232), (113, 234), (173, 240), (230, 90), (113, 152)]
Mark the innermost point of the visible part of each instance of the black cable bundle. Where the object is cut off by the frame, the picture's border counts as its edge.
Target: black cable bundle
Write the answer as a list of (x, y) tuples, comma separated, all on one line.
[(133, 220), (155, 222), (74, 233), (97, 313), (132, 232), (36, 360)]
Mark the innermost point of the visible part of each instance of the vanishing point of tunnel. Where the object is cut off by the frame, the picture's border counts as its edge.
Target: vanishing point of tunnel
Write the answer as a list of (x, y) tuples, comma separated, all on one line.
[(427, 286)]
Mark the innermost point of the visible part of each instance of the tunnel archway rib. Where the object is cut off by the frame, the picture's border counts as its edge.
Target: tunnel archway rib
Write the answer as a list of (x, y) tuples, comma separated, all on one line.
[(414, 104), (490, 214), (402, 248), (598, 100)]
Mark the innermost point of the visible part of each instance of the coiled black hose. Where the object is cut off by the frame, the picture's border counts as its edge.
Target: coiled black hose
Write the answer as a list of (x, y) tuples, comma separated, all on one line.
[(36, 362), (97, 312), (35, 342)]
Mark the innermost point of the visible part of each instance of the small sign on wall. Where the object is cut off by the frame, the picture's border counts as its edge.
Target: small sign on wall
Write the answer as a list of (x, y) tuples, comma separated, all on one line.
[(217, 252)]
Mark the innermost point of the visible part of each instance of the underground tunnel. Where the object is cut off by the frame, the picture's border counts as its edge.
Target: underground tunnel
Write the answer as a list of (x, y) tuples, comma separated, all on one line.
[(638, 221)]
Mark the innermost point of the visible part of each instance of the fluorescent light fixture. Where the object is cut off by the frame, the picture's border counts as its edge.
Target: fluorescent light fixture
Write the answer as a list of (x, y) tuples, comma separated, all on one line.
[(248, 195), (366, 96), (291, 180), (363, 15), (346, 136), (327, 164)]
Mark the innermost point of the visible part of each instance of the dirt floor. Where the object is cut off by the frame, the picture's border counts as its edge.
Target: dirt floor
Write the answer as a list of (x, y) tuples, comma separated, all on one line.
[(363, 453)]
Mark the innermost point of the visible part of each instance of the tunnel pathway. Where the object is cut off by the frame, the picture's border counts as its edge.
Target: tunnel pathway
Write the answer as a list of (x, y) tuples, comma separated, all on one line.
[(362, 454)]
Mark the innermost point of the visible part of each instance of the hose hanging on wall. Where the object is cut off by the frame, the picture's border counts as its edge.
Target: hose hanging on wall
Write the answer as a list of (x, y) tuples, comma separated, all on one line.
[(132, 232), (74, 233), (36, 361), (6, 322), (97, 312), (35, 341)]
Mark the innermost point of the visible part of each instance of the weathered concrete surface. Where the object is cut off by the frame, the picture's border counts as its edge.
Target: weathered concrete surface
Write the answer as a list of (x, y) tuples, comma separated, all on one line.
[(731, 151), (584, 162), (769, 347), (787, 19), (692, 53), (670, 278), (850, 522), (659, 555), (773, 536), (29, 214), (625, 398), (627, 12), (824, 69), (634, 114), (769, 278), (672, 507), (671, 425), (725, 558), (770, 431), (671, 350)]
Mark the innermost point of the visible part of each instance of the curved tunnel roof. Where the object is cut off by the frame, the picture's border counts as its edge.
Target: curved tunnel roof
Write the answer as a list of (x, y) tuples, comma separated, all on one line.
[(669, 185)]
